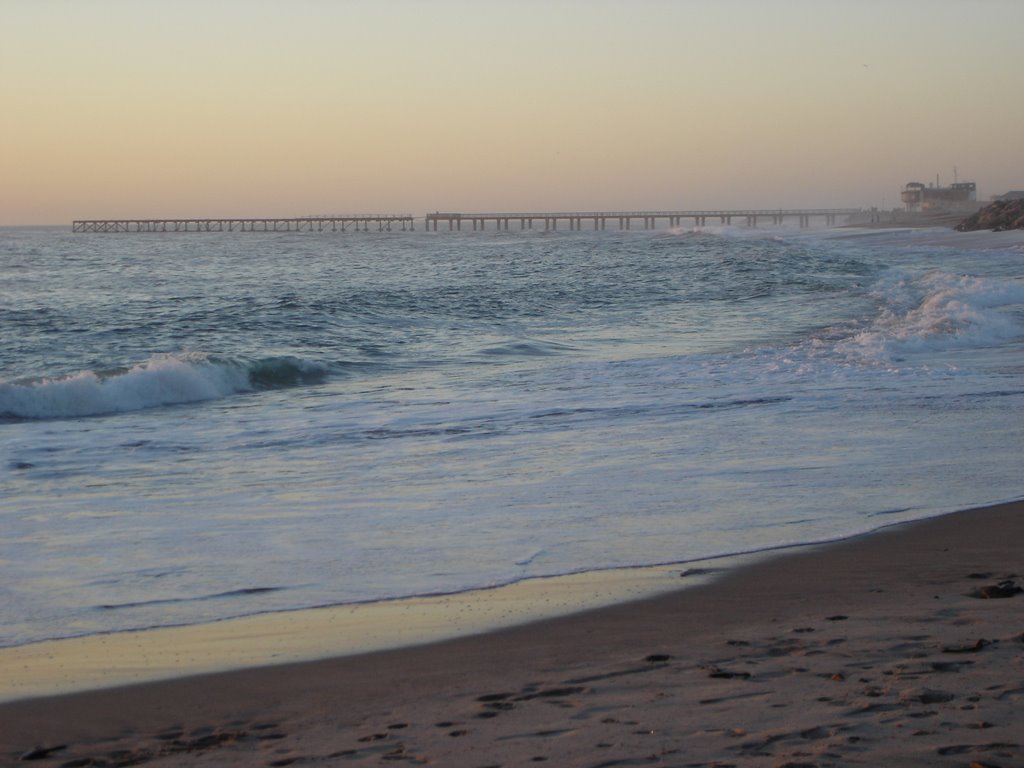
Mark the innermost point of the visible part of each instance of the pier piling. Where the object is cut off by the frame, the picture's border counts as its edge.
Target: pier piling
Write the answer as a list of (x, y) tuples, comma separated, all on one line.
[(386, 222)]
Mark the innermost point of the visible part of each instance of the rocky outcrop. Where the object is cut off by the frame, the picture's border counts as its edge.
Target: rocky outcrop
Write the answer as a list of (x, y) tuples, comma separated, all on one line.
[(997, 216)]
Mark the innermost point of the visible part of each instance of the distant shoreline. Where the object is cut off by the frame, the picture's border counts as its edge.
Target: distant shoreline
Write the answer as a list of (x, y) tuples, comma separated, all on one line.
[(903, 219)]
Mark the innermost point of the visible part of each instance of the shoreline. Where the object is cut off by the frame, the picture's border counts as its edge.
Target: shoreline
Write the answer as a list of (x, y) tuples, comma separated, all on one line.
[(104, 660), (936, 235), (869, 649), (112, 659)]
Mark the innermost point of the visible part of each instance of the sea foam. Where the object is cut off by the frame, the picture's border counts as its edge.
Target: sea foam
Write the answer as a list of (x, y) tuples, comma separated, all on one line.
[(161, 380), (937, 312)]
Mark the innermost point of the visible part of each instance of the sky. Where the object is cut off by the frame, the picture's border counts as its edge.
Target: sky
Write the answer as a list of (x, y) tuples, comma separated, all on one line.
[(189, 108)]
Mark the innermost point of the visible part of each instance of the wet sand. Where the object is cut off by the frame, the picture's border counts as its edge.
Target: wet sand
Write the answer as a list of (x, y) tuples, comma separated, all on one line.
[(902, 647), (128, 658)]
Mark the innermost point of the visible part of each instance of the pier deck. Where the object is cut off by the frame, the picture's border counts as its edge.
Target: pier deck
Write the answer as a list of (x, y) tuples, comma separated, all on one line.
[(387, 222), (625, 219), (383, 222)]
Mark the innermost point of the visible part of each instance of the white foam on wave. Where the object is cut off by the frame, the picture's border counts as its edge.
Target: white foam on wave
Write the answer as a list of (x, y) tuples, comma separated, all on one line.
[(936, 312), (737, 232), (161, 380)]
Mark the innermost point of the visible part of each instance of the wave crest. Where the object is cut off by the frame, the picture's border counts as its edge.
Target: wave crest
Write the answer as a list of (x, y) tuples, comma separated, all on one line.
[(161, 380), (939, 311)]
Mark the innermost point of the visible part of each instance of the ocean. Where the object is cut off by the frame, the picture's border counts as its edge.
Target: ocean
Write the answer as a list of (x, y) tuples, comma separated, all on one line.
[(197, 426)]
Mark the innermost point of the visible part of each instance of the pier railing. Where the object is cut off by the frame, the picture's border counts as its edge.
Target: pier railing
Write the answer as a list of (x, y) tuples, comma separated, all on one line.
[(625, 219), (389, 222), (383, 222)]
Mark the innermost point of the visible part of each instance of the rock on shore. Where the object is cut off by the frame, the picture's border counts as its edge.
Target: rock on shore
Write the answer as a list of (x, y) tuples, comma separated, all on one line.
[(997, 216)]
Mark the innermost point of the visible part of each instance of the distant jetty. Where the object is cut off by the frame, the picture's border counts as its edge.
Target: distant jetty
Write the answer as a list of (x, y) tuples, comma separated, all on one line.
[(997, 216), (389, 222)]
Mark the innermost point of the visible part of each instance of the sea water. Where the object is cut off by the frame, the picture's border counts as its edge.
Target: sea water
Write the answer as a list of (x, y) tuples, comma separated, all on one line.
[(196, 426)]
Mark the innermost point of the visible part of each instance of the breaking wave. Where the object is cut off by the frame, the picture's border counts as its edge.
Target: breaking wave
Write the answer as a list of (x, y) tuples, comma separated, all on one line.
[(937, 312), (161, 380)]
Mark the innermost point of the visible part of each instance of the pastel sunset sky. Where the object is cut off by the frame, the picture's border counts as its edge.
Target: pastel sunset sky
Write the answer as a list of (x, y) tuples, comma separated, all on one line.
[(162, 108)]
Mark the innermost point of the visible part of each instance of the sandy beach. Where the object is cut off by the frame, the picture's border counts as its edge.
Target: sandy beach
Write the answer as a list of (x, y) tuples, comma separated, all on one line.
[(902, 647)]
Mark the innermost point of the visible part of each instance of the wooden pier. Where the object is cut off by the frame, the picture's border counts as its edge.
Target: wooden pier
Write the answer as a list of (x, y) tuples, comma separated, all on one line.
[(388, 222), (625, 219), (383, 222)]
